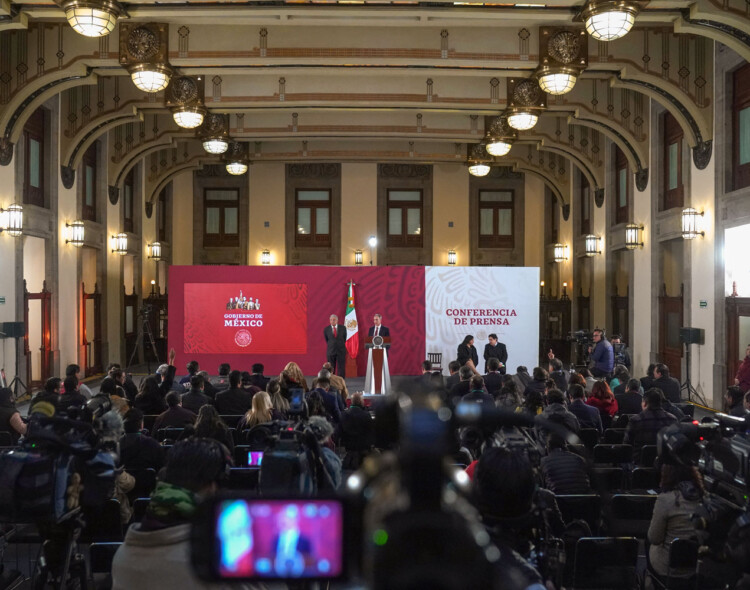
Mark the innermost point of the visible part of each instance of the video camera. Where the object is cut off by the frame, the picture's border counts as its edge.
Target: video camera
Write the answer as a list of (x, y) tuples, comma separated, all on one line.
[(720, 449), (406, 522), (583, 340)]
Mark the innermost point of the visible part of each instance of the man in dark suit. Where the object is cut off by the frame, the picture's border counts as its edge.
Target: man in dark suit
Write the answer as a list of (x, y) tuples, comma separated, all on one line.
[(235, 400), (669, 385), (493, 380), (454, 377), (586, 417), (630, 401), (330, 400), (495, 350), (335, 336), (378, 329), (258, 378)]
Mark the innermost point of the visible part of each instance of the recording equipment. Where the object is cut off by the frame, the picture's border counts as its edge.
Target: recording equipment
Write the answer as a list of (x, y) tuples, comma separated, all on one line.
[(271, 539), (13, 329), (297, 403)]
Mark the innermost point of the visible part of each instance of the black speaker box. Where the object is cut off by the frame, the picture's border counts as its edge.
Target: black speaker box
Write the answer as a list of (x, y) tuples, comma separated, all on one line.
[(13, 330), (692, 335)]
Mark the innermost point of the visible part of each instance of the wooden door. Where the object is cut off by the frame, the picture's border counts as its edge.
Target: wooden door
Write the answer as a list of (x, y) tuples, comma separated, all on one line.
[(670, 322), (91, 330), (130, 325), (37, 315)]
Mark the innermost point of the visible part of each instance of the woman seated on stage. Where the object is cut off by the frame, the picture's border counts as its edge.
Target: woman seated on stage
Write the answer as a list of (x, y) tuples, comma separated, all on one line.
[(467, 354)]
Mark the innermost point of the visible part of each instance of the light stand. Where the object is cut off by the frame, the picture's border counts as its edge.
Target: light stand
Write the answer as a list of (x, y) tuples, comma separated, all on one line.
[(144, 329), (687, 385)]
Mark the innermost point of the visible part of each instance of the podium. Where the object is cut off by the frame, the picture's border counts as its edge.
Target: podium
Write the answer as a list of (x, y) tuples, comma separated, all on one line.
[(378, 377)]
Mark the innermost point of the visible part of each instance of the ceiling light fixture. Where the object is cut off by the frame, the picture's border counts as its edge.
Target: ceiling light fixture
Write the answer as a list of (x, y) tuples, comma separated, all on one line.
[(563, 55), (557, 80), (477, 159), (236, 159), (151, 77), (184, 96), (526, 100), (500, 136), (522, 119), (607, 20), (144, 52), (214, 133), (92, 19)]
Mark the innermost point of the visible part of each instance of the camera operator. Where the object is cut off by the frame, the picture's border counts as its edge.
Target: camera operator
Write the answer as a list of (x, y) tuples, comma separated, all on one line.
[(622, 354), (602, 355), (156, 552)]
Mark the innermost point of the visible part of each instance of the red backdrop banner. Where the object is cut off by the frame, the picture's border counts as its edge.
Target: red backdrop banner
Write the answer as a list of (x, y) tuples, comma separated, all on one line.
[(212, 319)]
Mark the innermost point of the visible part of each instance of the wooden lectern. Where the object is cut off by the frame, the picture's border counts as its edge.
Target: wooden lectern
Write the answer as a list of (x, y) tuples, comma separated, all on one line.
[(378, 378)]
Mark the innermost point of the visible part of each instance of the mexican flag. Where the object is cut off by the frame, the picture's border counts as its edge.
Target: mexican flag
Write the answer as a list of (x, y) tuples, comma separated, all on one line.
[(350, 321)]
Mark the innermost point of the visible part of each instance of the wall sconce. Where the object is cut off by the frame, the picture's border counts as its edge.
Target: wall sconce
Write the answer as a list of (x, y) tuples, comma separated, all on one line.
[(541, 289), (592, 245), (564, 295), (358, 257), (153, 287), (120, 244), (560, 253), (76, 233), (691, 224), (155, 251), (265, 257), (452, 258), (11, 220), (633, 236)]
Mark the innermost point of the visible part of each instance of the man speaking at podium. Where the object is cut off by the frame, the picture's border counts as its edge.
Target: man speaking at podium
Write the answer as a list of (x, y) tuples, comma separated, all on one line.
[(378, 329)]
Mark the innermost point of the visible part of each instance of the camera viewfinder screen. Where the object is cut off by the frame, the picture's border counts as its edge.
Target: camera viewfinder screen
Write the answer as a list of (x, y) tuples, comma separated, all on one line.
[(254, 458), (280, 539)]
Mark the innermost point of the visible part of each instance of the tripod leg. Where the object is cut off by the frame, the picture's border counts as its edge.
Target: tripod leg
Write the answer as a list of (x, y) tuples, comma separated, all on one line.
[(138, 342), (147, 327)]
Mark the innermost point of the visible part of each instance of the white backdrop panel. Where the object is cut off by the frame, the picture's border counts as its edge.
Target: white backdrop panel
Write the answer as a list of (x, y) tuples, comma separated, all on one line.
[(481, 301)]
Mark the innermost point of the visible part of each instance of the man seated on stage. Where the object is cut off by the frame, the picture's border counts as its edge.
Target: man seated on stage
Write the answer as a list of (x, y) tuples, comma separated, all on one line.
[(378, 329), (497, 350), (493, 380), (335, 337)]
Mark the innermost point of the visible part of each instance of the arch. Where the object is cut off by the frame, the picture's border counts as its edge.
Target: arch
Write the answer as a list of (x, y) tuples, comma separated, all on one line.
[(194, 163), (720, 26), (165, 140), (593, 175), (519, 164)]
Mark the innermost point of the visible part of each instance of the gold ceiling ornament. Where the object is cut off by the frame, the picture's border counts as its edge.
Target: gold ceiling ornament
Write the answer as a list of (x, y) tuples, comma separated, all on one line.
[(607, 20), (500, 135), (214, 133), (526, 101), (184, 96), (144, 52), (563, 56)]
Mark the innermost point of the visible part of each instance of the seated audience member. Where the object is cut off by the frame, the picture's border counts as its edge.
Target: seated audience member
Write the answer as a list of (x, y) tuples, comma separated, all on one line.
[(279, 403), (522, 378), (336, 393), (323, 431), (125, 381), (10, 418), (564, 472), (671, 408), (209, 425), (208, 387), (464, 385), (221, 382), (261, 412), (337, 382), (175, 416), (192, 368), (630, 400), (116, 394), (558, 375), (50, 393), (150, 399), (493, 380), (75, 371), (292, 378), (508, 398), (233, 401), (195, 399), (734, 401), (138, 451), (70, 397), (156, 551), (356, 432), (477, 393), (330, 400), (620, 379), (643, 428), (669, 385), (588, 416), (506, 494), (647, 381), (533, 404), (602, 399), (681, 493), (246, 384), (257, 377), (589, 378), (538, 383), (558, 413), (453, 375)]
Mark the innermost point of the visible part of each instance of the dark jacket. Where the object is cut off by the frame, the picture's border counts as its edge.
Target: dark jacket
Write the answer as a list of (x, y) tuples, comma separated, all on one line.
[(670, 386), (467, 353), (561, 380), (588, 417), (71, 399), (452, 380), (138, 451), (177, 417), (194, 399), (565, 473), (671, 408), (260, 381), (499, 352), (603, 356), (493, 382), (357, 429), (233, 402), (559, 414), (538, 386), (480, 397), (335, 344), (629, 402), (643, 428), (44, 396), (331, 404)]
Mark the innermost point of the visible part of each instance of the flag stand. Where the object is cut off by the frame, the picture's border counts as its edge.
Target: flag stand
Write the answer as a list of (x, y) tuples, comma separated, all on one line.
[(351, 363)]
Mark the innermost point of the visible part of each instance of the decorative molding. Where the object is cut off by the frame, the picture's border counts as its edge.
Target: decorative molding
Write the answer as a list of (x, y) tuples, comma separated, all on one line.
[(641, 179), (212, 171), (68, 176), (599, 198), (702, 154), (6, 151), (566, 211), (149, 209), (405, 171), (114, 194), (314, 170), (504, 172)]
